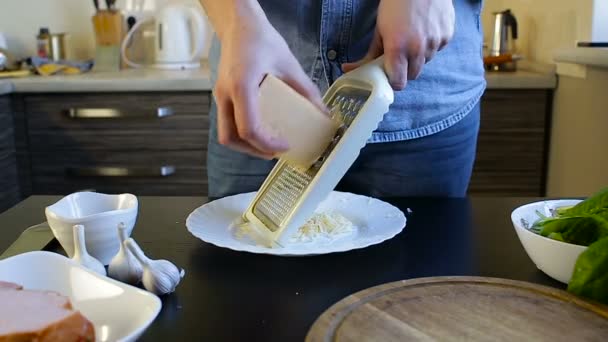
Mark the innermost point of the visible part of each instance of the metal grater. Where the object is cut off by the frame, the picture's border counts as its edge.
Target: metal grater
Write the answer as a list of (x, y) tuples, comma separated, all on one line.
[(289, 195)]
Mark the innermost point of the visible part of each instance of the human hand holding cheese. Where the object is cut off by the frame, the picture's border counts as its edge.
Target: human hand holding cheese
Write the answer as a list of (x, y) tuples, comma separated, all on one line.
[(251, 49), (291, 117)]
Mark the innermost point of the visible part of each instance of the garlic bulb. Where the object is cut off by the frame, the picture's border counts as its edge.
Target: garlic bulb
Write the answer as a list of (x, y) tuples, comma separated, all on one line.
[(81, 255), (124, 266), (160, 276)]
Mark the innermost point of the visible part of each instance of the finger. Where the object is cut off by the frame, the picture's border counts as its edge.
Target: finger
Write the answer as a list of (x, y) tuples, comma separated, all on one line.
[(431, 50), (414, 68), (227, 133), (443, 43), (396, 67), (247, 119), (375, 50), (303, 85)]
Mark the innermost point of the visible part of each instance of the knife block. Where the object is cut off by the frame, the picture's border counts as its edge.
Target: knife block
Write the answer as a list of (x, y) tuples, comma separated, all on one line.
[(109, 32)]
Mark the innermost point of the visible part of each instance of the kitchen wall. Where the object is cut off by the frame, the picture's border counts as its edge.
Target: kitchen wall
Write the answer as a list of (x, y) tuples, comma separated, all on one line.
[(545, 25), (21, 19)]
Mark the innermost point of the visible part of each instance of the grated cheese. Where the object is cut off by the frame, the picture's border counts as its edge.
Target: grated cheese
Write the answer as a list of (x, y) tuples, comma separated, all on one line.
[(328, 225), (325, 225)]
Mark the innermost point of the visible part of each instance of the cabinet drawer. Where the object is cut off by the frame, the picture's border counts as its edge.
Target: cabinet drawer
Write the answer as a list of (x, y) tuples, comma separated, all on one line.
[(9, 181), (184, 172), (118, 121), (7, 139), (511, 148)]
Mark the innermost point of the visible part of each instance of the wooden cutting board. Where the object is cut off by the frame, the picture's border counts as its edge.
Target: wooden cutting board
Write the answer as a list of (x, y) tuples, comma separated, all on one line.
[(461, 308)]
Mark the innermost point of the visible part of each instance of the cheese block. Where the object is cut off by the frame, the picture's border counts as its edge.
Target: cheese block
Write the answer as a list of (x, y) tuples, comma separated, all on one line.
[(42, 316), (288, 115)]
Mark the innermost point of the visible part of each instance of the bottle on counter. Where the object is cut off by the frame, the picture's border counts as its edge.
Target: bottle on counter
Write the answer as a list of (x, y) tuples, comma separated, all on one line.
[(42, 42)]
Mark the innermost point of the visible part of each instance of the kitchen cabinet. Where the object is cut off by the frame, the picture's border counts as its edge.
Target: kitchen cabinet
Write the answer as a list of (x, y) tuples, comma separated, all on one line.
[(9, 180), (155, 143), (513, 143), (143, 143)]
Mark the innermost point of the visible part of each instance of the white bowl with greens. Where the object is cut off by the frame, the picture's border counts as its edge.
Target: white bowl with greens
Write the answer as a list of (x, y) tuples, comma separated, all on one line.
[(568, 240)]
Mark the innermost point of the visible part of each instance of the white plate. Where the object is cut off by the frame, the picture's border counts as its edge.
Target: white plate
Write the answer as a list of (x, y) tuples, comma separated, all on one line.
[(376, 221), (118, 311)]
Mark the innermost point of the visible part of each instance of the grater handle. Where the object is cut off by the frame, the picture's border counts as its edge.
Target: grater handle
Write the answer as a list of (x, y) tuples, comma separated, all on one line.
[(373, 69), (372, 73)]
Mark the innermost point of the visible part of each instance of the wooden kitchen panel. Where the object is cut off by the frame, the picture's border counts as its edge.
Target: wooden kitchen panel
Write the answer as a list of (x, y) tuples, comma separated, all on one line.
[(505, 183), (9, 182), (21, 145), (9, 179), (137, 127), (63, 173), (512, 145), (7, 138)]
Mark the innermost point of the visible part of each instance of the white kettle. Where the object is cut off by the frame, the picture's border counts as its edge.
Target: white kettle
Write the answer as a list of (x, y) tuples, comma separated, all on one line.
[(180, 37)]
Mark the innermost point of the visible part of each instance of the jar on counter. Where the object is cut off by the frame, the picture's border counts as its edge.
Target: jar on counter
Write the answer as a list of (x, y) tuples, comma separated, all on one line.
[(43, 43)]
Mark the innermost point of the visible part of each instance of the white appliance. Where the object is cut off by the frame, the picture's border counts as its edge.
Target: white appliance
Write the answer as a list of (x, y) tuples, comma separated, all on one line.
[(180, 34)]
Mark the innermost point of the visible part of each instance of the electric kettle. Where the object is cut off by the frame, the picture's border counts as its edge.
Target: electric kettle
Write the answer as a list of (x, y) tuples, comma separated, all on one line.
[(504, 37), (180, 32)]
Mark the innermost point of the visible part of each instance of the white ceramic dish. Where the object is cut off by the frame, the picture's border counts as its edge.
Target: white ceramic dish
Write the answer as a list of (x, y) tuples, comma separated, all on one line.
[(376, 221), (100, 215), (555, 258), (118, 311)]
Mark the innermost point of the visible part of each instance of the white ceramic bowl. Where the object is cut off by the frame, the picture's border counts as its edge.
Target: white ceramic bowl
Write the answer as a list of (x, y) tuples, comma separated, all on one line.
[(100, 215), (555, 258), (119, 312)]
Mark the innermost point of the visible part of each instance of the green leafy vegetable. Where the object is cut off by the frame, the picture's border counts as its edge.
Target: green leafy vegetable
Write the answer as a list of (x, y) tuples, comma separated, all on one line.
[(556, 236), (579, 230), (591, 205), (584, 224), (590, 277)]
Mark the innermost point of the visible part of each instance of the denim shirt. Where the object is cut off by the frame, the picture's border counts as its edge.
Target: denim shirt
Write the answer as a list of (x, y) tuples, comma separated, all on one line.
[(323, 34)]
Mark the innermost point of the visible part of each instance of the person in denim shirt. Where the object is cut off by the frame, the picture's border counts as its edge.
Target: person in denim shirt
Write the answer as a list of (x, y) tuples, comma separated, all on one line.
[(426, 143)]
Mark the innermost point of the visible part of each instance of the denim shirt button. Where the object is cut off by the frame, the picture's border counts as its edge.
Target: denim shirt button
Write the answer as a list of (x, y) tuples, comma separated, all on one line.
[(331, 55)]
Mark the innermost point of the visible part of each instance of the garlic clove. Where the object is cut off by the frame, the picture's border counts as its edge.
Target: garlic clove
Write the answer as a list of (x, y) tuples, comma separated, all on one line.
[(81, 256), (160, 276), (124, 266)]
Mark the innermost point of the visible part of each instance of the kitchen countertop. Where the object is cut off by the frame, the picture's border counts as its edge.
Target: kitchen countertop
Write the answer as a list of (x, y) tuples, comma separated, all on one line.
[(6, 87), (597, 57), (125, 80), (131, 80), (521, 79), (228, 296)]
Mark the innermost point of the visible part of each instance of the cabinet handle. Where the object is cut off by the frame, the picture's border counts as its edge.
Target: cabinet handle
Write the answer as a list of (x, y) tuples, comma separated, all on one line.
[(107, 171), (114, 113)]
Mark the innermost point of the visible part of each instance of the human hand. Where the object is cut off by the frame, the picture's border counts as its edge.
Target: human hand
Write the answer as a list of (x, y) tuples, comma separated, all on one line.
[(251, 49), (408, 33)]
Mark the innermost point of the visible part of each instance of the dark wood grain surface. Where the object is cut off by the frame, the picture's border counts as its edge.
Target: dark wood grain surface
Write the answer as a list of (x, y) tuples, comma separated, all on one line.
[(9, 181), (50, 129), (21, 145), (511, 152), (58, 143), (232, 296), (51, 176), (512, 143)]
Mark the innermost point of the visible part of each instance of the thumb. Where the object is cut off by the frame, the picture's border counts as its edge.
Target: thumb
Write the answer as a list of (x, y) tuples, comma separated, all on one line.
[(375, 50)]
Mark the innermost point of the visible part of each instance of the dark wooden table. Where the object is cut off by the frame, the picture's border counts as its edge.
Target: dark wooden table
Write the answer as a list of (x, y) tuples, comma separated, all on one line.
[(240, 296)]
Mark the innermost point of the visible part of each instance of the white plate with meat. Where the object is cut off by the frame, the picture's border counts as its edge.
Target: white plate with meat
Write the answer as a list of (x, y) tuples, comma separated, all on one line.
[(357, 222), (64, 301)]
